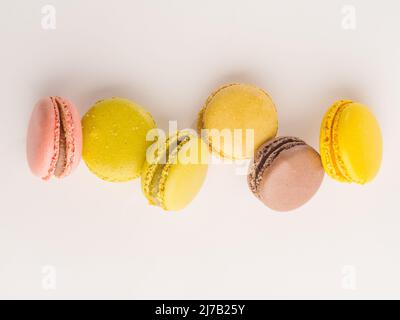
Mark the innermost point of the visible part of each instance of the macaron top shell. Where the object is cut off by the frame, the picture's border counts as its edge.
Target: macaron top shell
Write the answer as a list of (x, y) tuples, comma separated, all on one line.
[(176, 177), (286, 173), (114, 134), (43, 138), (54, 138), (183, 181), (238, 107), (351, 143)]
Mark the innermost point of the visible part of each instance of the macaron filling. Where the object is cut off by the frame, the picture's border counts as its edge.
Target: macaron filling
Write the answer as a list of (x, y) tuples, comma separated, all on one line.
[(159, 173), (62, 152), (65, 140), (57, 129)]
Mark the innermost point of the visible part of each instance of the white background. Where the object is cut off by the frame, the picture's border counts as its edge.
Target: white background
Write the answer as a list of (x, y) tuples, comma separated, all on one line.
[(102, 240)]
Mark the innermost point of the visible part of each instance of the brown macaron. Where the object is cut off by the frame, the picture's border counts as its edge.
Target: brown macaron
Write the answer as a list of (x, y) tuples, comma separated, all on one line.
[(286, 172)]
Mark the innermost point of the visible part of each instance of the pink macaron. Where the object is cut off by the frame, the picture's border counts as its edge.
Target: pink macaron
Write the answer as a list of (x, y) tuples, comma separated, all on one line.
[(54, 140)]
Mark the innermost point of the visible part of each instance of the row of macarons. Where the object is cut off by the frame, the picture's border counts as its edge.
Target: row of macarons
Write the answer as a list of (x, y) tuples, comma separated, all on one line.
[(285, 172)]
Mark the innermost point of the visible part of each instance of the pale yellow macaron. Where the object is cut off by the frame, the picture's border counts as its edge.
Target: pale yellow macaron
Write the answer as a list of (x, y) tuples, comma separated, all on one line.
[(237, 119), (350, 142), (175, 170), (114, 139)]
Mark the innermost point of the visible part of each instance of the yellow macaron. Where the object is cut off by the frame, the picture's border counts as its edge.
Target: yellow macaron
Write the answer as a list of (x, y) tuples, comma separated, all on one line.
[(350, 142), (175, 170), (237, 119), (114, 139)]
